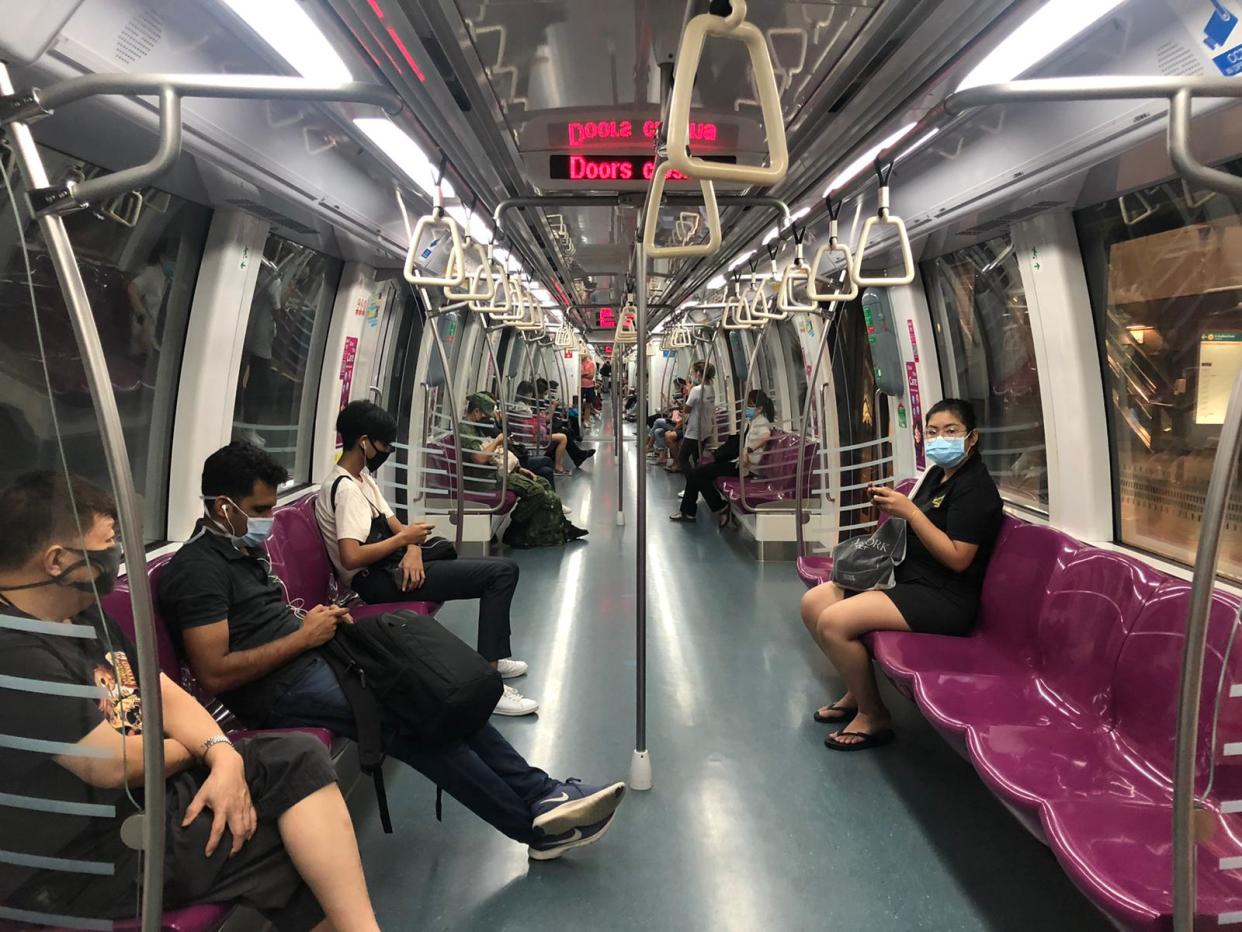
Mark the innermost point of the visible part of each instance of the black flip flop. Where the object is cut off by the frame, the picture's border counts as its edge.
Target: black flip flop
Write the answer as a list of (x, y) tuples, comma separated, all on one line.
[(873, 740), (845, 719)]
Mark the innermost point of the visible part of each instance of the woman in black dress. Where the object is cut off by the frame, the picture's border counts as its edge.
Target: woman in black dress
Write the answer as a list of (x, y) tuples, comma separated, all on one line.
[(952, 521)]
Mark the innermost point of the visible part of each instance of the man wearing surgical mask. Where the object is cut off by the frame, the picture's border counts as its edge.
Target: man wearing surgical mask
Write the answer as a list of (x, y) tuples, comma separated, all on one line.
[(244, 819)]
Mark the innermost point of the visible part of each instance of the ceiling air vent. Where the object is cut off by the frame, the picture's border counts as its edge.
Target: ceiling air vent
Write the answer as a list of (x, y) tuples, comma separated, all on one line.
[(272, 216), (1022, 213), (139, 36)]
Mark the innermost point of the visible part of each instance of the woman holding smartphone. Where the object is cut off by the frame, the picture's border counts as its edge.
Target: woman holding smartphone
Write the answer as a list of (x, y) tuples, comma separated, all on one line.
[(952, 523)]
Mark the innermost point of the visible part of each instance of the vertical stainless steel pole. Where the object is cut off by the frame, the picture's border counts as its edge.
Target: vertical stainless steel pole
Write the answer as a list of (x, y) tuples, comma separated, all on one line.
[(640, 765), (1224, 468), (618, 446), (129, 516), (455, 426), (800, 517)]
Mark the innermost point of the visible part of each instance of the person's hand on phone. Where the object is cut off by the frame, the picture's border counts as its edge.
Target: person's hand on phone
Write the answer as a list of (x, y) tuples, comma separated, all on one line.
[(319, 624), (415, 534), (891, 501)]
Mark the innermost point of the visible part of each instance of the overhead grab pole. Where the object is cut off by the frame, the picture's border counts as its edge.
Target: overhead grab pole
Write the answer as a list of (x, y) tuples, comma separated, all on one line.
[(48, 202)]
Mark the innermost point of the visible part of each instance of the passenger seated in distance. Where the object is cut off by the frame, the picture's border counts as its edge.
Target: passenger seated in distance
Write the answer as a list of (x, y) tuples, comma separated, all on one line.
[(953, 521), (261, 658), (558, 443), (260, 821), (729, 461), (381, 559), (538, 519)]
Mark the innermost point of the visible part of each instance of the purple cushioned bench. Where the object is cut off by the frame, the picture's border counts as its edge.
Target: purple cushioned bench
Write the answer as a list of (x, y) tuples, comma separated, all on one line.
[(442, 466), (300, 560), (817, 570), (1064, 699), (776, 474)]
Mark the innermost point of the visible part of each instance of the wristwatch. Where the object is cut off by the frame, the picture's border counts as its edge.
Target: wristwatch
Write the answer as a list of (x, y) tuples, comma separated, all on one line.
[(212, 742)]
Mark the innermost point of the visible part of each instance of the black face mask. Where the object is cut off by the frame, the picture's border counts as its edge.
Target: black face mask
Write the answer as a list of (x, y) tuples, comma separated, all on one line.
[(379, 459), (107, 561)]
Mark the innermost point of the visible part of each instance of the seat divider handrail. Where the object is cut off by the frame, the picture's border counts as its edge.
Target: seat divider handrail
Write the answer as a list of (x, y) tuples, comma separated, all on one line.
[(1224, 472)]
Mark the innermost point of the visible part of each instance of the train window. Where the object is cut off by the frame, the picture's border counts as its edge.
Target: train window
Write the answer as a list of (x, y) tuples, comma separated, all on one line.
[(139, 267), (983, 334), (1164, 269), (285, 337)]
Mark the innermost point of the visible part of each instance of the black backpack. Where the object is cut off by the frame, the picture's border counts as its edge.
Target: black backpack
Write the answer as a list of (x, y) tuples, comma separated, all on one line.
[(419, 676), (433, 685)]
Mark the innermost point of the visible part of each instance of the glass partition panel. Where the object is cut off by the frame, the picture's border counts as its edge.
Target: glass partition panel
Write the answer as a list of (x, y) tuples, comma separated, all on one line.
[(1164, 269), (139, 267), (983, 335), (285, 337)]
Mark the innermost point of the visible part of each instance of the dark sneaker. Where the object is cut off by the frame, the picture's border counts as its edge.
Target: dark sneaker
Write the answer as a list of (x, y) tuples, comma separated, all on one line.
[(574, 805), (552, 847), (575, 533)]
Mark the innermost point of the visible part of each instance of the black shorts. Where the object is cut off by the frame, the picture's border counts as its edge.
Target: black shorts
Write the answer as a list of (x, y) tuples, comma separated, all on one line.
[(929, 608), (282, 770), (588, 397)]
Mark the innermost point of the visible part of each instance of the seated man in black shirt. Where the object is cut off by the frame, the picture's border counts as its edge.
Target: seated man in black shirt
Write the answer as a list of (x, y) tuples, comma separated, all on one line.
[(261, 658), (260, 821)]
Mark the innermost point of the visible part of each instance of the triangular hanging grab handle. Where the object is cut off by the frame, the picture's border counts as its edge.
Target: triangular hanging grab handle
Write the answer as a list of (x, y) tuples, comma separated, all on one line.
[(797, 271), (829, 248), (884, 218), (651, 217), (454, 271), (688, 55), (500, 300), (627, 327), (482, 285)]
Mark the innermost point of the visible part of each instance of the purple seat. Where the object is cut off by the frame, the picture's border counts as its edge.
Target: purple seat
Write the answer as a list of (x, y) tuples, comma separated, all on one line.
[(775, 477), (441, 476), (300, 560), (1064, 699)]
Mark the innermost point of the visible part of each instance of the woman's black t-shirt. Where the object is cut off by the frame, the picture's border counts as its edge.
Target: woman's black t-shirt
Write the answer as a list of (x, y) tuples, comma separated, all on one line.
[(58, 682), (968, 508)]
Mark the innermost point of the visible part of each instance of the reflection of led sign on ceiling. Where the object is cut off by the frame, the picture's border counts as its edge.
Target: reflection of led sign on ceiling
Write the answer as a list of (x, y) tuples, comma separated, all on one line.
[(581, 132), (612, 167)]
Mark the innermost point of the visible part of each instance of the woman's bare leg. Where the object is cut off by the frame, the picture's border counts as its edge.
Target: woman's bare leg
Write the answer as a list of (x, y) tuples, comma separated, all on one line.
[(319, 837), (561, 442), (839, 630), (814, 602)]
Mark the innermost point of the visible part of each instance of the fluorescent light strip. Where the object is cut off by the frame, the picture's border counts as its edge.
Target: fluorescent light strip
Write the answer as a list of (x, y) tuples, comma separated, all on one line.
[(738, 260), (1053, 25), (293, 35), (851, 171), (405, 153)]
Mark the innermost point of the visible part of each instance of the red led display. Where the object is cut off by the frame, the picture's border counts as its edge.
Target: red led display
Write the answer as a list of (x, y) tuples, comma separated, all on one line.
[(582, 132), (607, 320), (612, 167)]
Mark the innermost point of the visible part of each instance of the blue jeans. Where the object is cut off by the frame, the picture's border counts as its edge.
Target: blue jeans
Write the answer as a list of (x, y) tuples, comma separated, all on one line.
[(483, 772)]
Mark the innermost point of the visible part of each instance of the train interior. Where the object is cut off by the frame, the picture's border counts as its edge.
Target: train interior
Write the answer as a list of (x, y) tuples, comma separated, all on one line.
[(857, 207)]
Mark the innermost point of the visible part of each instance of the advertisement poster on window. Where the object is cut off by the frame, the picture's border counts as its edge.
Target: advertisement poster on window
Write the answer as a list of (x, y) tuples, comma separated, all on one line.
[(916, 415), (1220, 358), (347, 368)]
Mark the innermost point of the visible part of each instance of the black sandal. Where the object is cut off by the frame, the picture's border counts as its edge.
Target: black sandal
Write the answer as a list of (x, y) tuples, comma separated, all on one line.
[(873, 740), (847, 715)]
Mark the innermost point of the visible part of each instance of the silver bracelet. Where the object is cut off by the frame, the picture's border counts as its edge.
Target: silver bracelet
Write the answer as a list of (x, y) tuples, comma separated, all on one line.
[(212, 742)]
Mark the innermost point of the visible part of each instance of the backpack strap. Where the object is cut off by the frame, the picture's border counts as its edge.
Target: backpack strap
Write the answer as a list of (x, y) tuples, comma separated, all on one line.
[(332, 495), (368, 720)]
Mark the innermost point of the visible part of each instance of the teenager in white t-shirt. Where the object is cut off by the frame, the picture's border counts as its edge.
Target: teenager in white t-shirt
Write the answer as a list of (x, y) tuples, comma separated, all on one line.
[(381, 559)]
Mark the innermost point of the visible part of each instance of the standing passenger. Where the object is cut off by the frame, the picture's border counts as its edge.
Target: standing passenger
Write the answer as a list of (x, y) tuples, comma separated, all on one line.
[(953, 521), (700, 420)]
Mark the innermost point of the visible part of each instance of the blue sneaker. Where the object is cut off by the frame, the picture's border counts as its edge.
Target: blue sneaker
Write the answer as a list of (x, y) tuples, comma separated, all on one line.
[(573, 805), (551, 847)]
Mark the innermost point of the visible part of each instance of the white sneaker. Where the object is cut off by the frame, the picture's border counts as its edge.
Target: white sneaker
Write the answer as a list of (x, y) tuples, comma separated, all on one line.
[(510, 668), (513, 702), (568, 511)]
